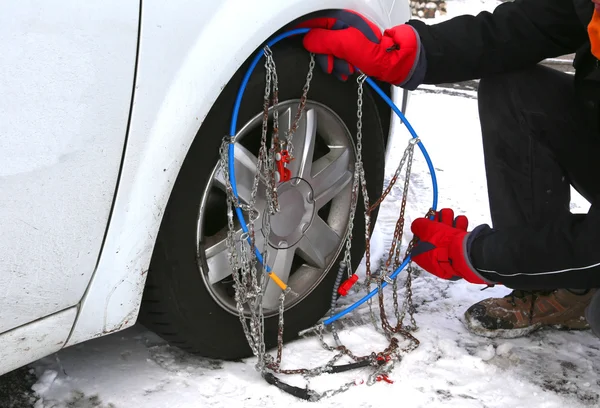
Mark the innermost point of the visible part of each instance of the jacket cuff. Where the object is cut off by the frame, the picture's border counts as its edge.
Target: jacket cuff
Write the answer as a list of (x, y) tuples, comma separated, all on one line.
[(467, 244), (416, 75)]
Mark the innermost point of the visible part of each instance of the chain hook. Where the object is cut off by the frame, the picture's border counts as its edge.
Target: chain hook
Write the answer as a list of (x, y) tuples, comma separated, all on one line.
[(267, 51), (249, 288)]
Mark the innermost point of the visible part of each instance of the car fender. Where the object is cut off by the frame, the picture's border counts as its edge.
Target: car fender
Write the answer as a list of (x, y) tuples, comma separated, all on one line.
[(188, 52)]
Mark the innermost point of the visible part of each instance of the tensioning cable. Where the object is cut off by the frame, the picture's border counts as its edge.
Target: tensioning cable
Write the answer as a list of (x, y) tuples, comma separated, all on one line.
[(305, 393), (240, 215)]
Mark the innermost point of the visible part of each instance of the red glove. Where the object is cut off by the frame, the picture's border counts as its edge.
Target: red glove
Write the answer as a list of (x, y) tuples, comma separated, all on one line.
[(345, 39), (441, 249)]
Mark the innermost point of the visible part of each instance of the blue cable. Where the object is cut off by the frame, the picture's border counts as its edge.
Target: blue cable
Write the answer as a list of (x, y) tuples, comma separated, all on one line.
[(413, 134), (232, 132), (368, 296)]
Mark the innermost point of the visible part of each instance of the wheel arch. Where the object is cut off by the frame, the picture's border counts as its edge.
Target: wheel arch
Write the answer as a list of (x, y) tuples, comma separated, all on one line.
[(177, 83)]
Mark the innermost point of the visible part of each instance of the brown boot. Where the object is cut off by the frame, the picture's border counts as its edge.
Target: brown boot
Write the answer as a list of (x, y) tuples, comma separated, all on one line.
[(522, 312)]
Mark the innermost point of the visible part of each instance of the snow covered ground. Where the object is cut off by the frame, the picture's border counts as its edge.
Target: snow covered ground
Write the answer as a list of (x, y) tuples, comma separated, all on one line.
[(451, 367)]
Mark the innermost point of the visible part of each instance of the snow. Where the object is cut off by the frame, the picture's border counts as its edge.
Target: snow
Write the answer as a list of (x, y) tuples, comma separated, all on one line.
[(45, 382), (450, 368), (461, 7)]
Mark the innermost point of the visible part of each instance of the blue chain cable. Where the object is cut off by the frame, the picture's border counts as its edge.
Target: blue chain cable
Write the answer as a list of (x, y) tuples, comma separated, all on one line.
[(232, 132)]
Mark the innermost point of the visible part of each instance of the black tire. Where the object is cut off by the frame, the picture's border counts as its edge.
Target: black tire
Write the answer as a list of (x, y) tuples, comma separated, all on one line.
[(176, 303)]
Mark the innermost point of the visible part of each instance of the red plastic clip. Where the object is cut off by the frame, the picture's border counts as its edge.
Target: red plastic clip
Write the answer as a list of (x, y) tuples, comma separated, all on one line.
[(282, 159), (385, 378), (384, 359), (347, 285)]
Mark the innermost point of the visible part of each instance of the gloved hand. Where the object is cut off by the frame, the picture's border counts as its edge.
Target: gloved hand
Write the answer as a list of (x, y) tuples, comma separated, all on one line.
[(441, 249), (344, 39)]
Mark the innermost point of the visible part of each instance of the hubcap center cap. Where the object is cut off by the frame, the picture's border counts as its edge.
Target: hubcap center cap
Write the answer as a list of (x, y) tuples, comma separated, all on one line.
[(296, 211)]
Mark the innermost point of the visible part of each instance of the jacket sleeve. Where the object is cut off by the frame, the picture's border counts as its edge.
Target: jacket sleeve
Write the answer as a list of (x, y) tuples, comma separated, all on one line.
[(517, 34), (564, 253)]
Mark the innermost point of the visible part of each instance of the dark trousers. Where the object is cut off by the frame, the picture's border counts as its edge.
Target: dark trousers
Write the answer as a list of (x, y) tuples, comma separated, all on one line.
[(537, 141)]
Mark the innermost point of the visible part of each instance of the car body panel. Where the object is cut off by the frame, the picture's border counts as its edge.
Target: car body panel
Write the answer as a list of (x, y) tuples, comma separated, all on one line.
[(35, 340), (67, 72), (188, 52)]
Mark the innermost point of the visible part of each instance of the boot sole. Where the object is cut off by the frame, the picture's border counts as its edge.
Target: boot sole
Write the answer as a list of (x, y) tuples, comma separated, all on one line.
[(475, 327)]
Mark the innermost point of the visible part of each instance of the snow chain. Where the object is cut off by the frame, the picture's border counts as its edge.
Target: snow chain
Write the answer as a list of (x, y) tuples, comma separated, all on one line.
[(250, 277)]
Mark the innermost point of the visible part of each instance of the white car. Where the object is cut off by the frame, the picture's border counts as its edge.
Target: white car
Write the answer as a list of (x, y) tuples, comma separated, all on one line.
[(112, 210)]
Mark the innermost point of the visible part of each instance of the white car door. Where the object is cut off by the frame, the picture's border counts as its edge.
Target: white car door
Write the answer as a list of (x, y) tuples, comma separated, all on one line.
[(66, 81)]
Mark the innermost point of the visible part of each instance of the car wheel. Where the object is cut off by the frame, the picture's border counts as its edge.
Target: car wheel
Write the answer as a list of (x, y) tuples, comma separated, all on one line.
[(189, 295)]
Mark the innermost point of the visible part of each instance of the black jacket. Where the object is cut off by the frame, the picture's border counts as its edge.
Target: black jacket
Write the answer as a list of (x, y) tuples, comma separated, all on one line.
[(516, 35), (565, 252)]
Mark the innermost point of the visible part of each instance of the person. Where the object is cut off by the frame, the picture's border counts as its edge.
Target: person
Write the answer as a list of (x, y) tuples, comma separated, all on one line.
[(540, 134)]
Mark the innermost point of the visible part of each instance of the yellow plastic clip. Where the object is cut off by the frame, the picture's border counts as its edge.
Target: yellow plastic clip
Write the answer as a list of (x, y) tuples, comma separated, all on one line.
[(278, 281)]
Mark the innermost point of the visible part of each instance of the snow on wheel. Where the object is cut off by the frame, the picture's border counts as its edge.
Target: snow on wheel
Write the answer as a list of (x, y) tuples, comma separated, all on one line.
[(189, 296)]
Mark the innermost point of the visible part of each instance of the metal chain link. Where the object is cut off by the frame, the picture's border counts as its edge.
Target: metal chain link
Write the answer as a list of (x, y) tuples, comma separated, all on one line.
[(397, 239), (271, 71), (301, 106), (250, 279), (359, 171), (348, 237), (249, 284), (396, 242)]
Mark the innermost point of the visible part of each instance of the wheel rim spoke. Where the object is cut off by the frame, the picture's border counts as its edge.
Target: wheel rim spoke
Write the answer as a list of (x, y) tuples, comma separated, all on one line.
[(331, 175), (304, 143), (318, 242), (217, 257), (280, 261), (245, 171)]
